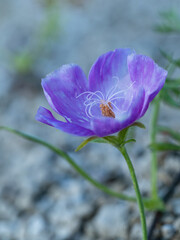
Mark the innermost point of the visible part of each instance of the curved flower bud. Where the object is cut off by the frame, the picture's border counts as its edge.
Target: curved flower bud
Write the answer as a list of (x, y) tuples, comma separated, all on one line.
[(121, 86)]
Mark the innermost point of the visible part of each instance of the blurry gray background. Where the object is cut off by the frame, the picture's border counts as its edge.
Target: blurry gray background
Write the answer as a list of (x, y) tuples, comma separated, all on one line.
[(41, 196)]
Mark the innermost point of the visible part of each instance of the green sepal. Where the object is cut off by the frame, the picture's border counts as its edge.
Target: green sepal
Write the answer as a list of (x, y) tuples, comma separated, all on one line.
[(84, 143), (129, 140), (111, 139), (99, 140), (123, 133), (119, 140), (164, 147), (91, 139), (138, 124)]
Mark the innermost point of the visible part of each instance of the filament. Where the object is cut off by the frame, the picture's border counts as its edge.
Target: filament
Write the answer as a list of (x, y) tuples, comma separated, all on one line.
[(97, 97)]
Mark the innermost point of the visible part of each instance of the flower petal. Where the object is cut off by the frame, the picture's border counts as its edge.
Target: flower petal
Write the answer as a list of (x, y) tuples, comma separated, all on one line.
[(105, 126), (61, 89), (45, 116), (147, 74), (109, 69)]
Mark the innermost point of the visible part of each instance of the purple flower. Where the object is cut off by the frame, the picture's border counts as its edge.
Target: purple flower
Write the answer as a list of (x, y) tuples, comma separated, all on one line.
[(121, 85)]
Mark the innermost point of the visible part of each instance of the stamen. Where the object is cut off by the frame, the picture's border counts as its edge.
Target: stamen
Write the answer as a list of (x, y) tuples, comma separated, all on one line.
[(88, 109), (90, 101), (91, 94), (111, 91), (106, 110), (118, 92), (116, 98), (106, 102), (114, 105)]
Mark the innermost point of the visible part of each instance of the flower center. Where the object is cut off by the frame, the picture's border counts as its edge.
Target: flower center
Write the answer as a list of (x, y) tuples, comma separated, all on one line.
[(108, 102), (106, 110)]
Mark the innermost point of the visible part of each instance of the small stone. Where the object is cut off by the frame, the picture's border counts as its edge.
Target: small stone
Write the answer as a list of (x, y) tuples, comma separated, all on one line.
[(177, 225), (63, 218), (5, 231), (168, 219), (168, 231), (7, 212), (111, 221), (176, 206), (35, 226), (18, 230), (136, 232)]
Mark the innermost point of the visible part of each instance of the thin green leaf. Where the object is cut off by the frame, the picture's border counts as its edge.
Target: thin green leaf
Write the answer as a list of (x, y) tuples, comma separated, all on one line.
[(163, 28), (175, 135), (166, 55), (153, 204), (169, 100), (165, 147), (176, 62), (80, 170), (138, 124), (71, 162), (171, 22), (172, 83)]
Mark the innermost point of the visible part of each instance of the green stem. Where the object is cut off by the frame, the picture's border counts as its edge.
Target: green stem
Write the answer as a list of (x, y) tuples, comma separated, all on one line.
[(149, 203), (154, 189), (136, 188), (72, 163)]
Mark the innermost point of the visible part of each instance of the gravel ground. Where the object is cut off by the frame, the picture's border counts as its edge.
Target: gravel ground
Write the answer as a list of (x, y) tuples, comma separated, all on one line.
[(41, 196)]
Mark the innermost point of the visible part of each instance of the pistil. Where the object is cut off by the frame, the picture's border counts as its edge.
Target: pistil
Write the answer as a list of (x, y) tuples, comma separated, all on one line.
[(106, 110)]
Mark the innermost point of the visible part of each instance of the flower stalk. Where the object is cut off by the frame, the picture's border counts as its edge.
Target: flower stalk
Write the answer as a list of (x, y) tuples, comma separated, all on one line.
[(154, 188), (136, 188)]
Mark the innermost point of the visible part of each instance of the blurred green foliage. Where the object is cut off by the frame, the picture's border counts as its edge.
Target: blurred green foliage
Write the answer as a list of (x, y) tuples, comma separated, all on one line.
[(170, 93), (48, 31), (170, 22)]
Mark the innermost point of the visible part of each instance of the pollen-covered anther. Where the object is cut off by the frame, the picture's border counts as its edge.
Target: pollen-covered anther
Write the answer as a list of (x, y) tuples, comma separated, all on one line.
[(106, 110)]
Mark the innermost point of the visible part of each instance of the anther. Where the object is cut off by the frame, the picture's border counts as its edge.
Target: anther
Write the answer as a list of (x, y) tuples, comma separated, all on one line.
[(106, 110)]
